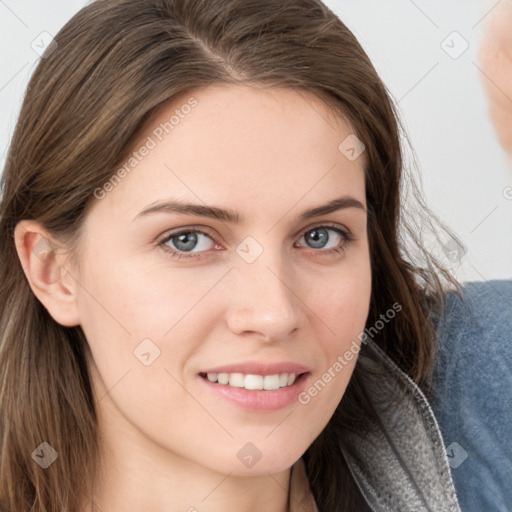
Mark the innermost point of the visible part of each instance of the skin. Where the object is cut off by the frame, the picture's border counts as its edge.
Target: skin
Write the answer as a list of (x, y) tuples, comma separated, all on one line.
[(169, 442), (495, 60)]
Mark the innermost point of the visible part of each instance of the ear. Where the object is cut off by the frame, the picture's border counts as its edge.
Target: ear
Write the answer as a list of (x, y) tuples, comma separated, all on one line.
[(44, 264)]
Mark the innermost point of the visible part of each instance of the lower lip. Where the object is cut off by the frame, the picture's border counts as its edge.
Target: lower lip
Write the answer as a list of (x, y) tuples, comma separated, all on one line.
[(256, 399)]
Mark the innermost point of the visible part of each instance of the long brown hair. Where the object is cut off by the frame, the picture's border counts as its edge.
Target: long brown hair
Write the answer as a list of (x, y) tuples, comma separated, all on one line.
[(115, 63)]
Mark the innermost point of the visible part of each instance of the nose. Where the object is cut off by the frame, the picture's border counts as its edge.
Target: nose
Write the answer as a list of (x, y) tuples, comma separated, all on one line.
[(266, 300)]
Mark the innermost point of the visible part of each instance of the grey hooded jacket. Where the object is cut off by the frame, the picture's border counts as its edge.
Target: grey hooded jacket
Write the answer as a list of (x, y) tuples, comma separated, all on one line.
[(401, 464)]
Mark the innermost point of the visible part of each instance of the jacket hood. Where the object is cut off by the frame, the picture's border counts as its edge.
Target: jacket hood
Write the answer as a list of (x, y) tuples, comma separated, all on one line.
[(400, 464)]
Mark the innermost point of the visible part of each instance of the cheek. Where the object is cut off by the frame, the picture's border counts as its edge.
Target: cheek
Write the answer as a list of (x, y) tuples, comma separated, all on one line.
[(142, 327), (130, 301), (342, 303), (343, 309), (144, 322)]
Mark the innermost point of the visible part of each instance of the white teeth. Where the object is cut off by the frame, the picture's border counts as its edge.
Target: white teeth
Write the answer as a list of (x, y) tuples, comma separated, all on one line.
[(251, 381), (236, 379), (271, 382), (223, 378)]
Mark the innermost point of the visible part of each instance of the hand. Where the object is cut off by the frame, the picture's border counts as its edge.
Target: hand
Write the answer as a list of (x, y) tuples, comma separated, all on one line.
[(495, 60)]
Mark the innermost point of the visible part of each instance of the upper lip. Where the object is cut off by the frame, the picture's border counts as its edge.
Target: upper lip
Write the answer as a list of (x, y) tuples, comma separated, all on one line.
[(258, 368)]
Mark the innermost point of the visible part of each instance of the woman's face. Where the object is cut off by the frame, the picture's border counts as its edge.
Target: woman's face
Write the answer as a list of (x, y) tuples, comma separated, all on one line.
[(253, 287)]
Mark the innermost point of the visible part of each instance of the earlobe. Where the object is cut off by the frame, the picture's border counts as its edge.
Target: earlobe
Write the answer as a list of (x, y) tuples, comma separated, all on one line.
[(43, 262)]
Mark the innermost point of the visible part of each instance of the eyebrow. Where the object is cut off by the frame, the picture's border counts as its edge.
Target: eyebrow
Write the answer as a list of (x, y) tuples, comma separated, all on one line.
[(231, 216)]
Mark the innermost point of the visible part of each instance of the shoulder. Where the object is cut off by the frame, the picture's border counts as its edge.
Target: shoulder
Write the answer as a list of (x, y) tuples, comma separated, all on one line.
[(484, 305), (472, 391), (474, 341)]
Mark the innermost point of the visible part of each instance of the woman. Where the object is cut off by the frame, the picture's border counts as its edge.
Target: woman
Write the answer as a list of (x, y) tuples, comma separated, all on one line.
[(170, 339)]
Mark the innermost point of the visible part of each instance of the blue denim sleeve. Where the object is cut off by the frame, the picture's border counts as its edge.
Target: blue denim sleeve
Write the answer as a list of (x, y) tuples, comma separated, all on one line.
[(472, 393)]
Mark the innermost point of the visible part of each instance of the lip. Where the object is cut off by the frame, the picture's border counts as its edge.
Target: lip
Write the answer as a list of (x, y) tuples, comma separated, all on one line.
[(256, 400), (256, 368)]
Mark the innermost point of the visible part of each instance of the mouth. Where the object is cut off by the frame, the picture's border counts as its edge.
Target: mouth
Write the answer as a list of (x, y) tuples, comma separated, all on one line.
[(254, 382), (256, 392)]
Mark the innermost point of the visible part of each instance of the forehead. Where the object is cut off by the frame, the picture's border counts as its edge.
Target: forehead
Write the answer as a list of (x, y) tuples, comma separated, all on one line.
[(238, 143)]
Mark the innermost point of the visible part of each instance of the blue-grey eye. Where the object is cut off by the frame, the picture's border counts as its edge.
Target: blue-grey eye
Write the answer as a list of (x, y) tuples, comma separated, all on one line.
[(318, 237), (187, 241)]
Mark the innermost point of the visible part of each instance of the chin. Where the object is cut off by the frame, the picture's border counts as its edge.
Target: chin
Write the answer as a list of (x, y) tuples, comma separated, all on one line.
[(258, 458)]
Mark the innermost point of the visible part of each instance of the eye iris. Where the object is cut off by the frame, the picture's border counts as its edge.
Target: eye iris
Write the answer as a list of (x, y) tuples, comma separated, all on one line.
[(319, 236), (182, 238)]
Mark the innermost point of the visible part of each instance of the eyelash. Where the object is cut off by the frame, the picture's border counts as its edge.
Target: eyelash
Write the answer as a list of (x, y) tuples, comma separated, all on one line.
[(347, 239)]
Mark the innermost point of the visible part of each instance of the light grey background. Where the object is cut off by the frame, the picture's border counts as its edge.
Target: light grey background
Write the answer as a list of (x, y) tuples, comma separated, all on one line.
[(440, 100)]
